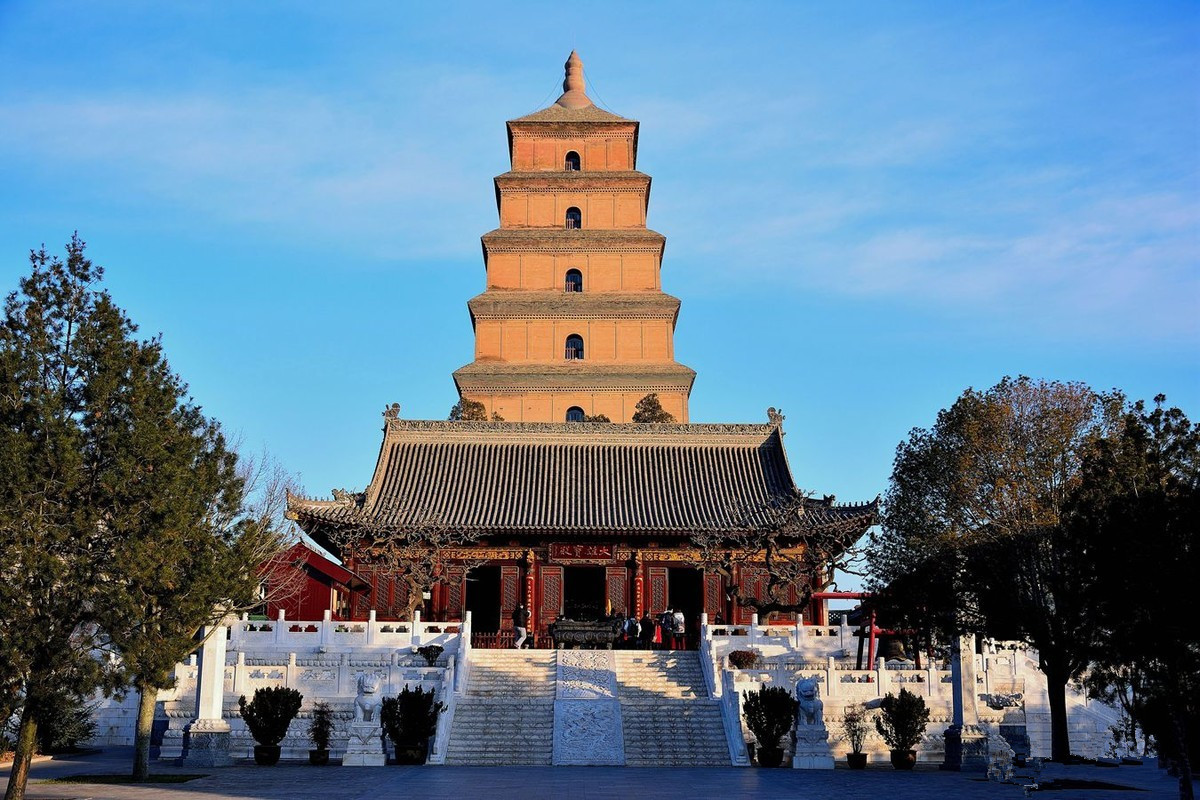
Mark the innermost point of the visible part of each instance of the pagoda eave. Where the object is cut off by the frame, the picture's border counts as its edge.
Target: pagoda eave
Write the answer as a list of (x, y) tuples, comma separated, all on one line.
[(506, 377)]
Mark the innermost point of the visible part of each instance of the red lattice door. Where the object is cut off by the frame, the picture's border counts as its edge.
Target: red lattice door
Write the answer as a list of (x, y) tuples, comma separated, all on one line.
[(617, 588), (552, 594), (455, 580), (750, 582), (714, 598), (658, 589), (510, 593)]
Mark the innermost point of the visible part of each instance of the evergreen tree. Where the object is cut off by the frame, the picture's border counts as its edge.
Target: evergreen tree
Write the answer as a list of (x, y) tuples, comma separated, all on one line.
[(649, 409), (122, 524), (1136, 508), (58, 371), (190, 550)]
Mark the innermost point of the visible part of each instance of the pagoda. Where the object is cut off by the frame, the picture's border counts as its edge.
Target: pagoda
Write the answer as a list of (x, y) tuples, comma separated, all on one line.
[(570, 515), (573, 322)]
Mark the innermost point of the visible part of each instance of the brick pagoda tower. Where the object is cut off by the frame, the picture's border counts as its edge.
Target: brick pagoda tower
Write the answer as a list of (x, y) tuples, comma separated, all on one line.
[(573, 320)]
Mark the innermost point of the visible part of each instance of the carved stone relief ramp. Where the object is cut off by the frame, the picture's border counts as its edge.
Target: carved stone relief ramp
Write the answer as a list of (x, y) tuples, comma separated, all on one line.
[(587, 713)]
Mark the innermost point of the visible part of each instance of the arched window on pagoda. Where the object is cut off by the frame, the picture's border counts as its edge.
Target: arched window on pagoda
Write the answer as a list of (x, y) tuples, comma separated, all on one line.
[(574, 347), (572, 161), (574, 218), (574, 280), (574, 414)]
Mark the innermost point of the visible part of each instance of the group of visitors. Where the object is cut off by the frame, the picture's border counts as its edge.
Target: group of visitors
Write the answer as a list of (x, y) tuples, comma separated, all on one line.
[(667, 631)]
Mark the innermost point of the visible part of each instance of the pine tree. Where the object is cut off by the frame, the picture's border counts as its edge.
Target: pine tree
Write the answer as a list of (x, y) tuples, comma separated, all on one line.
[(121, 512), (56, 373)]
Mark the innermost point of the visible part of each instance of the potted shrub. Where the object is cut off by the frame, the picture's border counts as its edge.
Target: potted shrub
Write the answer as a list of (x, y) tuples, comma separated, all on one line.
[(743, 659), (430, 653), (410, 719), (854, 725), (901, 722), (319, 731), (268, 716), (770, 713)]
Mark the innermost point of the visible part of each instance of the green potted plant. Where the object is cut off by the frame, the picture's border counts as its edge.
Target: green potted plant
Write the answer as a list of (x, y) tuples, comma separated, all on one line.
[(410, 720), (268, 716), (854, 725), (770, 713), (743, 659), (320, 728), (430, 653), (901, 723)]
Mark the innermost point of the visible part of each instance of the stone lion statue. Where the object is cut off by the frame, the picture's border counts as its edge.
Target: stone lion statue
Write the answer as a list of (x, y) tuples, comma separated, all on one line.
[(368, 702), (812, 710)]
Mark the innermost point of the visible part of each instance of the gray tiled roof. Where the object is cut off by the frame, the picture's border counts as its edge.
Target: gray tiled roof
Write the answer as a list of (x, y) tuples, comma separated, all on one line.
[(571, 478)]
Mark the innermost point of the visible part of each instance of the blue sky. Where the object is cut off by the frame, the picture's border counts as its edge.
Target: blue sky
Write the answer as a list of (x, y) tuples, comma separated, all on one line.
[(868, 207)]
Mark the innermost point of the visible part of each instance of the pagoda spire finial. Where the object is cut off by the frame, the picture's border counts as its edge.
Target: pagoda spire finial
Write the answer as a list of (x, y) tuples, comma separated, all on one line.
[(573, 95)]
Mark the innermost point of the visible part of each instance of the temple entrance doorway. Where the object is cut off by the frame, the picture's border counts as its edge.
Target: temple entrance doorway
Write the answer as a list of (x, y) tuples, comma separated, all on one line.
[(583, 593), (483, 598), (685, 592)]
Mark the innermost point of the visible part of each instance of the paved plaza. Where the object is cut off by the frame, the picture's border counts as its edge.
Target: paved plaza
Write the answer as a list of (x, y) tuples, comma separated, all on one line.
[(300, 782)]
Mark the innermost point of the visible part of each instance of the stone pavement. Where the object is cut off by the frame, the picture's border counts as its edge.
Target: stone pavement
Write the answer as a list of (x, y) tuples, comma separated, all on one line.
[(301, 782)]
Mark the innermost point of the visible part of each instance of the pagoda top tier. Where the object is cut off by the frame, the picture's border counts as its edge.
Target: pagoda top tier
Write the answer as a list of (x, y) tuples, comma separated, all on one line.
[(573, 105)]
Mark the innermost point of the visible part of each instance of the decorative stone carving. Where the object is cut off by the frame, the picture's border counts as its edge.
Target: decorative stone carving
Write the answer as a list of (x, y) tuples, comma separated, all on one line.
[(208, 744), (587, 714), (775, 417), (812, 737), (368, 703), (588, 733), (392, 412), (365, 745), (812, 709), (586, 675)]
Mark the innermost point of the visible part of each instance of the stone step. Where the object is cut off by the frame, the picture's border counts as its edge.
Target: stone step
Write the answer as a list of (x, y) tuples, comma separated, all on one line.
[(501, 732), (673, 732)]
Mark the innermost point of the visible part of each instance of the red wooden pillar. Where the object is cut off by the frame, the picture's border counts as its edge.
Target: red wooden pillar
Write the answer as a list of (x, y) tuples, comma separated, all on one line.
[(639, 583), (530, 605)]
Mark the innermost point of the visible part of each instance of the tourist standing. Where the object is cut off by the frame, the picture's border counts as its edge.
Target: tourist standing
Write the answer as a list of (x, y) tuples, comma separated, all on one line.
[(666, 629), (647, 631), (679, 626), (520, 618), (631, 631)]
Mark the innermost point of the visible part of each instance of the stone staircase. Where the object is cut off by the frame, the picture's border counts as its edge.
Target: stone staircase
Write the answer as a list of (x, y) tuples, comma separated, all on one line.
[(506, 715), (667, 716)]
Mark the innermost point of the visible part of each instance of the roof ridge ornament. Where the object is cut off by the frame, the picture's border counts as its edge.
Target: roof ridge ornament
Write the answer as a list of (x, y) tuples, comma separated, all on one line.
[(574, 94), (392, 411), (775, 417)]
